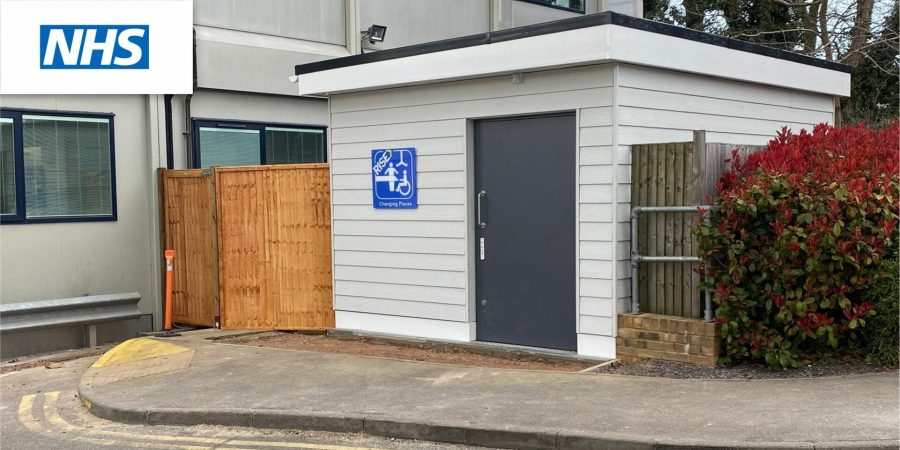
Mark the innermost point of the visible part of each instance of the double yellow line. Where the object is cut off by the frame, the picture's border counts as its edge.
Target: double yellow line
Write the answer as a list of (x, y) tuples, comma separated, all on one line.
[(63, 430)]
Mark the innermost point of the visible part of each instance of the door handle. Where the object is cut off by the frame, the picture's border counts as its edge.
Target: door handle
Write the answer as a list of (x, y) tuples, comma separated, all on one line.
[(481, 195)]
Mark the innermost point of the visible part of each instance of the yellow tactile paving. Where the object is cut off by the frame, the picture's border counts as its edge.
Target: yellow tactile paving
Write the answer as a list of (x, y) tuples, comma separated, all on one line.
[(138, 349)]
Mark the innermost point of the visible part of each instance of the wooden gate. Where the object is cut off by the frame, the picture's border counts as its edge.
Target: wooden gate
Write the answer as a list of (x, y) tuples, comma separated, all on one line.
[(674, 174), (262, 257), (189, 227)]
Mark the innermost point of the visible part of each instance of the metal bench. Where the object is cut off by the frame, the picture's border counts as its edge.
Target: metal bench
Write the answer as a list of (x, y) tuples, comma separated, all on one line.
[(87, 311)]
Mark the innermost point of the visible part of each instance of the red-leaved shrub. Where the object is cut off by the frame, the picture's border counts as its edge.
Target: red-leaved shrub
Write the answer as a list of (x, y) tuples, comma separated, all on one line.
[(799, 231)]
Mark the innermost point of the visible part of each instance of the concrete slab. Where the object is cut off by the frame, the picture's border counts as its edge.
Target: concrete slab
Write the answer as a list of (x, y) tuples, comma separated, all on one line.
[(263, 387)]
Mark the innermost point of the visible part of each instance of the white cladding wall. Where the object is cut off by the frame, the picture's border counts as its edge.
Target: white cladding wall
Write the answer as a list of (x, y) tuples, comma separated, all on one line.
[(655, 106), (409, 272), (58, 260), (665, 106)]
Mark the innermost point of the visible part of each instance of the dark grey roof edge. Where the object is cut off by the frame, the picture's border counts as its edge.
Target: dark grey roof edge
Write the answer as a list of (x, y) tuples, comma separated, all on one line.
[(591, 20)]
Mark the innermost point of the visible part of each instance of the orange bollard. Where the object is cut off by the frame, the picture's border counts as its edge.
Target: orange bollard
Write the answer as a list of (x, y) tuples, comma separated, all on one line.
[(170, 268)]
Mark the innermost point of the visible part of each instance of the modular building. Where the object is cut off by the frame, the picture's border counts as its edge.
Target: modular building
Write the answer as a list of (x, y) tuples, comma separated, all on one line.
[(79, 198), (509, 219)]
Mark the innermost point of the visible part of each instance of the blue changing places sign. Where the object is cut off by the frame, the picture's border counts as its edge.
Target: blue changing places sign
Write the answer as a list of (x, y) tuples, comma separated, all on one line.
[(394, 178)]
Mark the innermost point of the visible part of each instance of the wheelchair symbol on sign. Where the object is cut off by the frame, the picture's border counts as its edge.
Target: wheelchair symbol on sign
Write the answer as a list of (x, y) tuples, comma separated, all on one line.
[(394, 178), (400, 185)]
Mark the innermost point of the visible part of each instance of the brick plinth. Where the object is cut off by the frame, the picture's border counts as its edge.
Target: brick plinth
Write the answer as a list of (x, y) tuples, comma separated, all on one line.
[(654, 336)]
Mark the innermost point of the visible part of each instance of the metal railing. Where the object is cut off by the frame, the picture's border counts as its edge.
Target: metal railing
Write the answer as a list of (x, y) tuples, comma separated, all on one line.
[(88, 311), (637, 258)]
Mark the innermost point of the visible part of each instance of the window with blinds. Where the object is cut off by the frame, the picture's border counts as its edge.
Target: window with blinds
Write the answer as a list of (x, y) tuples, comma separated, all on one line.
[(7, 167), (56, 167), (244, 143), (294, 145), (227, 147)]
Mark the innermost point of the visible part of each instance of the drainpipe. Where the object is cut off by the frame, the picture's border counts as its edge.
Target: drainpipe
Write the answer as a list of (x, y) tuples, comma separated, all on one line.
[(188, 131), (170, 151), (188, 127)]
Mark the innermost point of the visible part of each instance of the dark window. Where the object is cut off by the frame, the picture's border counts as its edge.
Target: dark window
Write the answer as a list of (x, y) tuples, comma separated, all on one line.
[(56, 167), (7, 167), (230, 143), (569, 5)]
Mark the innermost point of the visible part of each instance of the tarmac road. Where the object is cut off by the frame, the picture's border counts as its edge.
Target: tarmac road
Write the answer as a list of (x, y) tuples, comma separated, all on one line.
[(40, 410)]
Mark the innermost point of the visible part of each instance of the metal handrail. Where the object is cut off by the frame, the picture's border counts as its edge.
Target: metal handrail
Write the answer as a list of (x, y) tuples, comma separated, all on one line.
[(636, 257), (87, 311)]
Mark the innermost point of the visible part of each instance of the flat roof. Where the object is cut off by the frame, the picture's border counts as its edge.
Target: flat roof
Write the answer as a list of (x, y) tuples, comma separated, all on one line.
[(591, 20)]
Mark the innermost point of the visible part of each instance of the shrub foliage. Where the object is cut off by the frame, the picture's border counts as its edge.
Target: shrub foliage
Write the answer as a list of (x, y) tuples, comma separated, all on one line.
[(799, 233)]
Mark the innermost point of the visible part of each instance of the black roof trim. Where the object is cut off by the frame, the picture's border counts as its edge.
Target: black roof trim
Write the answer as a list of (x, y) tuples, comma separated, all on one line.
[(591, 20)]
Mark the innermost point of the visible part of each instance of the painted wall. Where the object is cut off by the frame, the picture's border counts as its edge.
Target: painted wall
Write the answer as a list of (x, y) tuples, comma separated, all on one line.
[(241, 61), (47, 261), (253, 46), (310, 20), (417, 21), (523, 13), (411, 272)]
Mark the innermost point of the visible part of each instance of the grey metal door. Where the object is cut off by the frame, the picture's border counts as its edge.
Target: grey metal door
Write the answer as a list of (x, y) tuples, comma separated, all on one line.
[(525, 231)]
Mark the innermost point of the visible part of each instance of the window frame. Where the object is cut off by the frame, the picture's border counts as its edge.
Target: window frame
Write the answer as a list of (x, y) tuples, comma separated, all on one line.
[(562, 8), (197, 123), (20, 216)]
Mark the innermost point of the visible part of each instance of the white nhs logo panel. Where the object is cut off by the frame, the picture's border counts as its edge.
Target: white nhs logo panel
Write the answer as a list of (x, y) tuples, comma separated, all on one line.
[(95, 47)]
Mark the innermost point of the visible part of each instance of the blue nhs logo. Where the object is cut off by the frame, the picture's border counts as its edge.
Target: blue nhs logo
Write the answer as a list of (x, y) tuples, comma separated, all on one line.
[(95, 47)]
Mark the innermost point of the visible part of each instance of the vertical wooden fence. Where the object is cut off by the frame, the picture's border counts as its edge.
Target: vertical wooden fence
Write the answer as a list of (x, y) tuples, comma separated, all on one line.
[(674, 174), (275, 246), (262, 257)]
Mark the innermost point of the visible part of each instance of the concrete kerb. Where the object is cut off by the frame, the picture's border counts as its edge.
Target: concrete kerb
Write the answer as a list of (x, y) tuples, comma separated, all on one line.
[(402, 429)]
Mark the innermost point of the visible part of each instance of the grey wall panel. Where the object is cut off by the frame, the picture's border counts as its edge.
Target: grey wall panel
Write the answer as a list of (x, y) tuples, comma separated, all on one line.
[(523, 13), (313, 20), (240, 67), (211, 104), (61, 260), (417, 21)]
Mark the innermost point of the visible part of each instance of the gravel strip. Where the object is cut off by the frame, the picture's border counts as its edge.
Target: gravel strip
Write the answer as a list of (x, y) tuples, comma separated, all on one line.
[(414, 351), (670, 369)]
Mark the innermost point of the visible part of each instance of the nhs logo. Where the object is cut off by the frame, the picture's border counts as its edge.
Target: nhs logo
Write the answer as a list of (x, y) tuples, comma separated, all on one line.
[(95, 47)]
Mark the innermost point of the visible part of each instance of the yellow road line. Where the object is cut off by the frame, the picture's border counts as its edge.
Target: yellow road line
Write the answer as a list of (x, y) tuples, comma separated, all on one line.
[(49, 408), (52, 414), (311, 446), (25, 416)]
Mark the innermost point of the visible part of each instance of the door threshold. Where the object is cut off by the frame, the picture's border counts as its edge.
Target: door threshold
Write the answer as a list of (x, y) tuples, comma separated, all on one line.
[(571, 354), (479, 347)]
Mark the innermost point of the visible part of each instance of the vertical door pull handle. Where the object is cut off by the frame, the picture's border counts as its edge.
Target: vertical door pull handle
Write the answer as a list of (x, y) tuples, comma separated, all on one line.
[(481, 223)]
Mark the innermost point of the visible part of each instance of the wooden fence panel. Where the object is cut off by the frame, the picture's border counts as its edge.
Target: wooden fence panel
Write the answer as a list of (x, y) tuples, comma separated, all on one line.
[(188, 223), (674, 174), (275, 246), (662, 176)]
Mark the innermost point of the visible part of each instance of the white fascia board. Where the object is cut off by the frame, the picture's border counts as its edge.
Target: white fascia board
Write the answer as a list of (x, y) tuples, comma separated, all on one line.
[(567, 48), (583, 46), (665, 52)]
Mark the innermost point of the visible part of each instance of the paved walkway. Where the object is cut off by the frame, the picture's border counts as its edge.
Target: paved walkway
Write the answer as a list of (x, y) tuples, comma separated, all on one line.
[(192, 381)]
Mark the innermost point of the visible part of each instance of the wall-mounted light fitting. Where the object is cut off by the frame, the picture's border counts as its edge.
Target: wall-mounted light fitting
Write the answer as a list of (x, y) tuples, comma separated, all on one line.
[(374, 34)]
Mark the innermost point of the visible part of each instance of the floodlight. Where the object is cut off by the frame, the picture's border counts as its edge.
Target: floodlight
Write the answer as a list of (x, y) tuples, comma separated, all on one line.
[(374, 34)]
